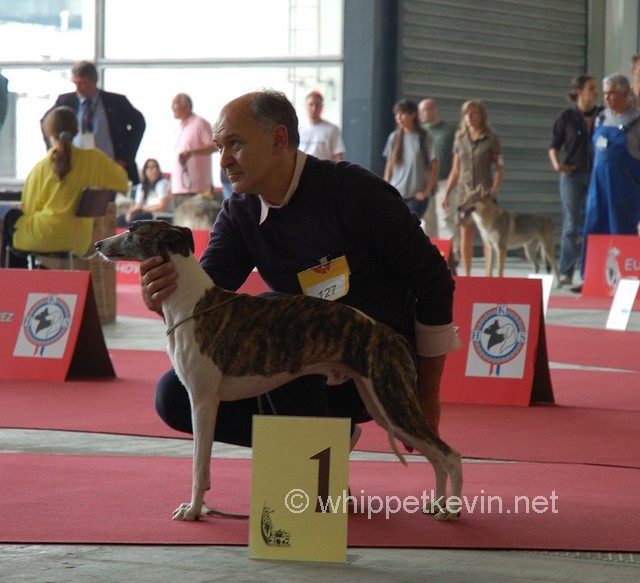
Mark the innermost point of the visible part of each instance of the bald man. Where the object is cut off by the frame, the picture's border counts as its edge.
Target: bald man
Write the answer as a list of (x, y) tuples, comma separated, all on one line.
[(291, 213), (441, 223)]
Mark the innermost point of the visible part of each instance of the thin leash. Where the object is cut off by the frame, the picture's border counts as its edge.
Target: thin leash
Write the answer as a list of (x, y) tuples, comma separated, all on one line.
[(214, 512), (170, 329)]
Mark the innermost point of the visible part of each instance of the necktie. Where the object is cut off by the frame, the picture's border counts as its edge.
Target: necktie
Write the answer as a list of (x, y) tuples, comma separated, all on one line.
[(87, 117)]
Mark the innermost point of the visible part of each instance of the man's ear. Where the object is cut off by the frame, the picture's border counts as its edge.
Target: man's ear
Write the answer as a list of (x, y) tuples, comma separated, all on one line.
[(280, 138)]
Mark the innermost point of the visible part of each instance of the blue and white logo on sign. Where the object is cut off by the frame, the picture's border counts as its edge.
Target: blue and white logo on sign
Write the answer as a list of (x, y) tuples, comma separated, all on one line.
[(498, 338), (612, 269), (45, 324)]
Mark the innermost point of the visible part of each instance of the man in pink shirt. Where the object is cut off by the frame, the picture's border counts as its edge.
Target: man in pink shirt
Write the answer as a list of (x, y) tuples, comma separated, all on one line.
[(194, 145)]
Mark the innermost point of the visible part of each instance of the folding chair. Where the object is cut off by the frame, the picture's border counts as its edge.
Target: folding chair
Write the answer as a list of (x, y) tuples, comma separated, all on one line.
[(93, 203)]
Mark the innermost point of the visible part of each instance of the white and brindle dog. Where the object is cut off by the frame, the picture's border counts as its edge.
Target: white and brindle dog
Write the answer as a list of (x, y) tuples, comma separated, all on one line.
[(226, 346), (501, 229)]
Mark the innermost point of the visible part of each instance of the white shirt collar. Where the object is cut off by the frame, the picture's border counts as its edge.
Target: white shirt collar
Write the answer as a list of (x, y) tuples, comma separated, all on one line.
[(301, 158)]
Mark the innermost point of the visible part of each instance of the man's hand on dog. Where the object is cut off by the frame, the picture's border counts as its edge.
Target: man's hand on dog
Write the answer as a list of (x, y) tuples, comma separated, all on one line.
[(158, 281)]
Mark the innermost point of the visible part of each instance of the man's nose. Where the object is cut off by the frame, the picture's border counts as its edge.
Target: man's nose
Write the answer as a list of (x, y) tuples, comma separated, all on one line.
[(226, 160)]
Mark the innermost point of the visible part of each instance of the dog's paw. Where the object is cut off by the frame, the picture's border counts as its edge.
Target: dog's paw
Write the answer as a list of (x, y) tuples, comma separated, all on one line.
[(442, 511), (445, 515), (434, 506), (186, 512)]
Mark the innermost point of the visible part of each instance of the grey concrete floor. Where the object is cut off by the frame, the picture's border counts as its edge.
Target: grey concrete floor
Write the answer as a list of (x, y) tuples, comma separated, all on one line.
[(187, 564)]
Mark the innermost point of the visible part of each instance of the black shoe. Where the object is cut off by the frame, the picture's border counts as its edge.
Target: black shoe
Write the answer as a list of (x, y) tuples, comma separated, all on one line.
[(577, 289)]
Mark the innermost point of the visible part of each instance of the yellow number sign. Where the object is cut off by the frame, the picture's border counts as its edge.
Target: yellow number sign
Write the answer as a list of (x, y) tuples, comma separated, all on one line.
[(299, 489)]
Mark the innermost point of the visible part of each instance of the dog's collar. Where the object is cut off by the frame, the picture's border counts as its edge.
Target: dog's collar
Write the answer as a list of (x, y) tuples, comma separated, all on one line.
[(170, 329)]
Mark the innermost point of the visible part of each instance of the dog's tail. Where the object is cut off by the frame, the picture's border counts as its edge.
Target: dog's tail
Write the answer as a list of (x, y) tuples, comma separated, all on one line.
[(394, 445), (393, 378)]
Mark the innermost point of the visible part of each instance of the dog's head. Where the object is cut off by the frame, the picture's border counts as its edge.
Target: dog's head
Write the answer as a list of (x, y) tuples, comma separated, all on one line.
[(470, 199), (145, 239)]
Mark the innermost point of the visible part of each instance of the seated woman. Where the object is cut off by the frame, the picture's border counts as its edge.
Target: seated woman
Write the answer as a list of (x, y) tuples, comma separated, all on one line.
[(46, 221), (153, 195)]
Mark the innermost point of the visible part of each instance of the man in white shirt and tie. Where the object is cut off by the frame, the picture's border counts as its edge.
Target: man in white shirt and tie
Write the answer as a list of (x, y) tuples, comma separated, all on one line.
[(107, 121)]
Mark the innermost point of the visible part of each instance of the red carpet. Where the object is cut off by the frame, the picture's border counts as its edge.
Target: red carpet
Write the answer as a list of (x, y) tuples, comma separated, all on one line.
[(545, 433), (594, 347), (129, 302), (577, 302), (124, 405), (597, 419), (596, 389), (105, 500)]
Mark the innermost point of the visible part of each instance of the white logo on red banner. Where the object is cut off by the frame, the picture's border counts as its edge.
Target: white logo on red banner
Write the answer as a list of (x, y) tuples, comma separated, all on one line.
[(45, 325), (612, 269), (498, 338)]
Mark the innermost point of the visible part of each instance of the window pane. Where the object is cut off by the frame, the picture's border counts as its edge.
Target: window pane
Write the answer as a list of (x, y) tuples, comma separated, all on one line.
[(47, 30), (210, 89), (206, 29), (31, 93)]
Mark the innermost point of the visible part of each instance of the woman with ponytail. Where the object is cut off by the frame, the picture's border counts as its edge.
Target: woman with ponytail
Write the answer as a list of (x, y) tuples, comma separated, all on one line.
[(53, 188)]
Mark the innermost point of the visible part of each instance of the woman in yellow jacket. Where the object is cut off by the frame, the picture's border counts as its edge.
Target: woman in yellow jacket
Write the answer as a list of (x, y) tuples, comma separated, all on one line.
[(53, 188)]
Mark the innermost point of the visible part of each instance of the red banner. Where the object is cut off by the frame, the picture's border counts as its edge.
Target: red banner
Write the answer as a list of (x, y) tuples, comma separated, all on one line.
[(444, 246), (610, 258), (504, 359), (50, 328)]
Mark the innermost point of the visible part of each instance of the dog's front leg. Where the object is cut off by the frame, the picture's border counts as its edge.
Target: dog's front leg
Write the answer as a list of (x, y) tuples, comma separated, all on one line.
[(489, 255), (204, 420)]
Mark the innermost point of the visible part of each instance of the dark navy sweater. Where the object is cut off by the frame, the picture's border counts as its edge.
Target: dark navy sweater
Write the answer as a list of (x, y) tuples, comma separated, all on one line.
[(339, 208)]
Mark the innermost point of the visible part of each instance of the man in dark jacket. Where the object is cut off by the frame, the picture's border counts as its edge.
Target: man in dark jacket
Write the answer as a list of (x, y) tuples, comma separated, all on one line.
[(107, 121), (291, 212)]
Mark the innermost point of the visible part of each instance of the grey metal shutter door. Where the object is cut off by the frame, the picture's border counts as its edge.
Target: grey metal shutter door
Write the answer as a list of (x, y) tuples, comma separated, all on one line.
[(519, 57)]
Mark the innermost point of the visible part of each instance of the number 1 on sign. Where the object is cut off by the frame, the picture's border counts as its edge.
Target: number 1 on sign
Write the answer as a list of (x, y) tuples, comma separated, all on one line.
[(324, 459)]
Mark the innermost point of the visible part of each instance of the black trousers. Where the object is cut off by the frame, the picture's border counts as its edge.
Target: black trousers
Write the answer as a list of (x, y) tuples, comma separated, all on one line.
[(308, 396), (8, 227)]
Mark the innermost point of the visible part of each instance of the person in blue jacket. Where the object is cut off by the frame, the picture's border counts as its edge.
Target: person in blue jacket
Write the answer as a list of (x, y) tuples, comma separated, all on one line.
[(613, 201)]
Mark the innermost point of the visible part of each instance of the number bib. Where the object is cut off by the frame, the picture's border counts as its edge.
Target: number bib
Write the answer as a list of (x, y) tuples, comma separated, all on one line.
[(328, 281)]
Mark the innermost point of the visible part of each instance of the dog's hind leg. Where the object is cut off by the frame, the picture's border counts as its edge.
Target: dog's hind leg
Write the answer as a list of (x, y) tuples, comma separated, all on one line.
[(447, 466), (390, 396), (531, 253), (447, 506), (549, 253)]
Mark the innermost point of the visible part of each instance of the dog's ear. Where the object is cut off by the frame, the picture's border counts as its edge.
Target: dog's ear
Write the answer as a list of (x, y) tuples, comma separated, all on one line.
[(177, 240), (189, 237), (483, 193)]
